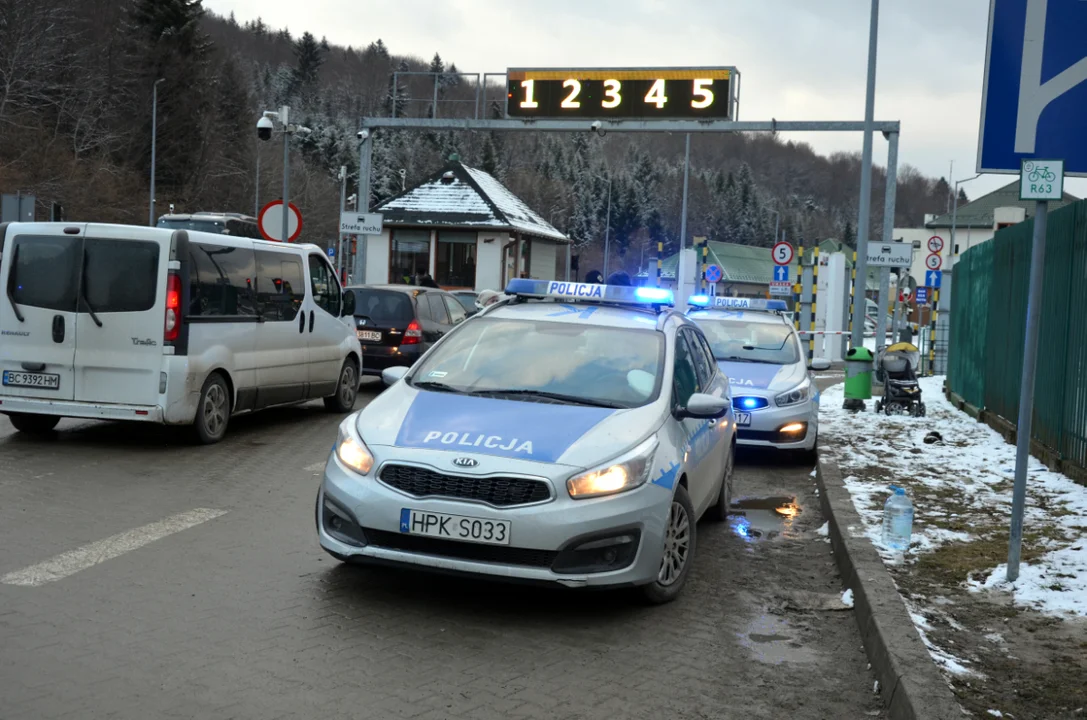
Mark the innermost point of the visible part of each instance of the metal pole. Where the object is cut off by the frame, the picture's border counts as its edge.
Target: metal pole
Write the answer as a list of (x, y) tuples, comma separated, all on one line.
[(434, 106), (777, 224), (256, 186), (568, 253), (683, 216), (362, 205), (343, 207), (154, 139), (286, 180), (857, 338), (1026, 386), (881, 305), (607, 233)]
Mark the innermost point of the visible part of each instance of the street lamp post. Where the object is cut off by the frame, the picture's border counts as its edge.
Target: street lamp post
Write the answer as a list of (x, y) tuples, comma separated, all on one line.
[(154, 137), (955, 211), (286, 174)]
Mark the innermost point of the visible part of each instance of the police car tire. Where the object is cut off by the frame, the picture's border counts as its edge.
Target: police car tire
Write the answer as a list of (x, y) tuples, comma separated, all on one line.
[(719, 510), (32, 424), (656, 594)]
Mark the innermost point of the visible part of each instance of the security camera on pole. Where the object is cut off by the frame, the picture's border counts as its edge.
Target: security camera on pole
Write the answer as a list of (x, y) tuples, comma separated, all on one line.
[(265, 125)]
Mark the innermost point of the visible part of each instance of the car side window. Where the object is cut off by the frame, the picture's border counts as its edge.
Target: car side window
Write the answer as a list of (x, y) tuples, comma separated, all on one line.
[(685, 374), (280, 285), (326, 291), (707, 365), (456, 310), (437, 309)]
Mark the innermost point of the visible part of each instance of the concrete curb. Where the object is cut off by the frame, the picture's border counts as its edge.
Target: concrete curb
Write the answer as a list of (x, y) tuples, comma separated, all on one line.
[(912, 685)]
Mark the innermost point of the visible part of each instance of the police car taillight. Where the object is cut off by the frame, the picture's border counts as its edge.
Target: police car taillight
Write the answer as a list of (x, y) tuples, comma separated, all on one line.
[(413, 335), (172, 324)]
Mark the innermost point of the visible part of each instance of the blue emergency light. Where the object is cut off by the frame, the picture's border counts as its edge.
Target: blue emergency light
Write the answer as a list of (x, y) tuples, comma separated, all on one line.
[(735, 303), (574, 291)]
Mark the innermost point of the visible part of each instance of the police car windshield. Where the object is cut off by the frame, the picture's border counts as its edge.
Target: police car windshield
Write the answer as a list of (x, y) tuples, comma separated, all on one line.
[(750, 341), (546, 361)]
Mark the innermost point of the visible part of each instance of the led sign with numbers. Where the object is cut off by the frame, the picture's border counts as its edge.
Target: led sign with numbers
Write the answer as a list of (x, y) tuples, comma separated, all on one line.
[(632, 94)]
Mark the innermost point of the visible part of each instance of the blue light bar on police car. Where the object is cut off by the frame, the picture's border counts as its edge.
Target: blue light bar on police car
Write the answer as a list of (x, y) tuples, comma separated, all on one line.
[(589, 291), (735, 303)]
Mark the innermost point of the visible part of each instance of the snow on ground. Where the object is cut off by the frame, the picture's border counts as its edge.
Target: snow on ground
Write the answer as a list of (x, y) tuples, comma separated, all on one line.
[(961, 489)]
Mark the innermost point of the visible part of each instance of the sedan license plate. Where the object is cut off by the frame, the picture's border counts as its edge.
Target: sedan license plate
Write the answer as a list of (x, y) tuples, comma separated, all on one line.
[(455, 527), (743, 418), (45, 381), (371, 335)]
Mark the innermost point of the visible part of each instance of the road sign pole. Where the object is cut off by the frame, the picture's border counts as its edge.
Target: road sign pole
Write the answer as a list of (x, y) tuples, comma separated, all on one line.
[(683, 216), (362, 204), (1026, 386), (339, 235), (863, 220), (286, 182), (881, 304)]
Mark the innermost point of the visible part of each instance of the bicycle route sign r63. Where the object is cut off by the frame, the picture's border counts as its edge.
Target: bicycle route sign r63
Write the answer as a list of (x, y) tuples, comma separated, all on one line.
[(1041, 180)]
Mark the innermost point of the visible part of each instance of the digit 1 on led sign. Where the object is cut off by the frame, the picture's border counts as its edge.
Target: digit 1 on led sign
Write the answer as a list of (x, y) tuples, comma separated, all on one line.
[(529, 103)]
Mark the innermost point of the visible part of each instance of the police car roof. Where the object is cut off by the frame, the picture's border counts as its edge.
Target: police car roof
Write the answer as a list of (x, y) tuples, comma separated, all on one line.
[(745, 316), (582, 313)]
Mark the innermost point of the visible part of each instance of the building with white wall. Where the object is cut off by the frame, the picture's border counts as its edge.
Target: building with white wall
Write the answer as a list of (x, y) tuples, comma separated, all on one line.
[(467, 231)]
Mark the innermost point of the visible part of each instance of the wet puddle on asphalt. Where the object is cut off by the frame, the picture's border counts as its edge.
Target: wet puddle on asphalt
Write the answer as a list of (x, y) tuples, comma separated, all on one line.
[(765, 518), (772, 641)]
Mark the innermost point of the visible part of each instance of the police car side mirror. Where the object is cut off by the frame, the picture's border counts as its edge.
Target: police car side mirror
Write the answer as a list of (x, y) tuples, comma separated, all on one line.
[(819, 364), (392, 375), (704, 406), (348, 303)]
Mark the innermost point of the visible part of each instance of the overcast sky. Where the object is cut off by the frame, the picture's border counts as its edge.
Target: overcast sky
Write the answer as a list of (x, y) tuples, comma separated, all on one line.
[(799, 59)]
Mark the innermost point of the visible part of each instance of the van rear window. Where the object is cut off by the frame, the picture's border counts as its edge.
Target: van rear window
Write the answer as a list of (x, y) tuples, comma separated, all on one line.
[(120, 275), (45, 271)]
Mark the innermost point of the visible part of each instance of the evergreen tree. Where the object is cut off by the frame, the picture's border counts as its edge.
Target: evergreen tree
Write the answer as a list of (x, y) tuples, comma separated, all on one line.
[(396, 99), (849, 235), (308, 60), (963, 200)]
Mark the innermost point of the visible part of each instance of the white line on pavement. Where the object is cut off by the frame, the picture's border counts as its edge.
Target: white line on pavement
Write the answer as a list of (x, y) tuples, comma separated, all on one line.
[(316, 466), (90, 555)]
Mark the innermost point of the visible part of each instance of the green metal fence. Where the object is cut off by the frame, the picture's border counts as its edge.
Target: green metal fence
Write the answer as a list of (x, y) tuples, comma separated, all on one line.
[(988, 313)]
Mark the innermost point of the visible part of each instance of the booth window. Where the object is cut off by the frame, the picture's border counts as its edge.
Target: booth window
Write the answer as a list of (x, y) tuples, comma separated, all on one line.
[(409, 256), (456, 259)]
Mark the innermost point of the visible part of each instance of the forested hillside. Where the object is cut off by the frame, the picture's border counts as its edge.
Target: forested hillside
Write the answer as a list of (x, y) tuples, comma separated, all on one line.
[(76, 81)]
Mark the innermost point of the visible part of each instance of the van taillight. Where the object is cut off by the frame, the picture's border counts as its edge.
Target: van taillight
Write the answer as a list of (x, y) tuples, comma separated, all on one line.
[(172, 328), (413, 335)]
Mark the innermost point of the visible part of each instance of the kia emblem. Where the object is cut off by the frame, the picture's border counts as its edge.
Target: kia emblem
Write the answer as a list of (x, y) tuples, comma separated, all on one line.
[(465, 462)]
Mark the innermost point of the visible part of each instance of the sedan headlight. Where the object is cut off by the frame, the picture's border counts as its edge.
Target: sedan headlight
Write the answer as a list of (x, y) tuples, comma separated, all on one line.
[(797, 395), (625, 472), (351, 450)]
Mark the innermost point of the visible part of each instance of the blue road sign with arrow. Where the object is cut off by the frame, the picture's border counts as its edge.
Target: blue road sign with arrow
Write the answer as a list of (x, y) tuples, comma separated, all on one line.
[(1035, 85), (933, 278), (781, 273)]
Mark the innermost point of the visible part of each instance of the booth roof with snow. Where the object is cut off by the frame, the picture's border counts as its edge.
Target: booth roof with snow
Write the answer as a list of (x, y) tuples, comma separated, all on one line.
[(465, 229)]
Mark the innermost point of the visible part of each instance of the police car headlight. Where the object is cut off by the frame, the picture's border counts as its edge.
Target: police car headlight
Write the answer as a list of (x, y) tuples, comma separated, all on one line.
[(352, 451), (625, 472), (797, 395)]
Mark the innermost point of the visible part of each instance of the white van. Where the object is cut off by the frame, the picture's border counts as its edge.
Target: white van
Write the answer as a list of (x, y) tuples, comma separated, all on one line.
[(121, 322)]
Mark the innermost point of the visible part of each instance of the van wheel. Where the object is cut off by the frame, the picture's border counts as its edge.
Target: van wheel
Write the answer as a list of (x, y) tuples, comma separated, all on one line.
[(33, 424), (346, 389), (679, 546), (213, 410)]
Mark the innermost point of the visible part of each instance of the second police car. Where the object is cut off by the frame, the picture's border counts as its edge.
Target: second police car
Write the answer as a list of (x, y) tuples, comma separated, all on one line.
[(572, 434), (774, 395)]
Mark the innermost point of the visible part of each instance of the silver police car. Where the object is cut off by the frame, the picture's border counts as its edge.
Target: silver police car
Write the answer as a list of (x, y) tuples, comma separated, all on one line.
[(571, 434), (774, 396)]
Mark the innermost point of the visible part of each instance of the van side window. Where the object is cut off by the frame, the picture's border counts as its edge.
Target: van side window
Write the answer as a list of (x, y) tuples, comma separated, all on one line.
[(120, 275), (326, 291), (45, 271), (281, 286), (221, 281)]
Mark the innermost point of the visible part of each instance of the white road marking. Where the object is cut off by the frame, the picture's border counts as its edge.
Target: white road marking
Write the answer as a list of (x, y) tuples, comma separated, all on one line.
[(90, 555), (315, 467)]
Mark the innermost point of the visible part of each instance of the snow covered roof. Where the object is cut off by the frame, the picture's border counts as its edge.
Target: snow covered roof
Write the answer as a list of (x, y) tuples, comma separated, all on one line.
[(464, 197)]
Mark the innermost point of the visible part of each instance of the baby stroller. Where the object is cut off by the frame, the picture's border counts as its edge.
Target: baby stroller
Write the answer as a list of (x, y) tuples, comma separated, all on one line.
[(901, 393)]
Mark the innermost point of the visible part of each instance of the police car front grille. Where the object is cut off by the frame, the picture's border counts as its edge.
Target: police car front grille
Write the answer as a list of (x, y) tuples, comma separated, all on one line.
[(477, 552), (500, 491)]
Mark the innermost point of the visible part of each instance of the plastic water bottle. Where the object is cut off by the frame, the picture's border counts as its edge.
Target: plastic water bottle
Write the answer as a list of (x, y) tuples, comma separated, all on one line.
[(897, 520)]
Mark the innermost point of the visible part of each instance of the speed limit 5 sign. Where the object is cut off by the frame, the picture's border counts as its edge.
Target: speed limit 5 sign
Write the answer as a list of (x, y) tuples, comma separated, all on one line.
[(782, 253)]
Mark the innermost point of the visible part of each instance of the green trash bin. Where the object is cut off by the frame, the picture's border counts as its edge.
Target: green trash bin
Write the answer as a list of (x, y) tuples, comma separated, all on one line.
[(858, 377)]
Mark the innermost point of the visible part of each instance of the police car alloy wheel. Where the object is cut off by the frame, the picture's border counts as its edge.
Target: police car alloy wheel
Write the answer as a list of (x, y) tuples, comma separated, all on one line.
[(680, 541)]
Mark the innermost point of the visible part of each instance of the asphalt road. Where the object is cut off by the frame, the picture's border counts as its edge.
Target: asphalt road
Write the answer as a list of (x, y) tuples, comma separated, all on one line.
[(142, 576)]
